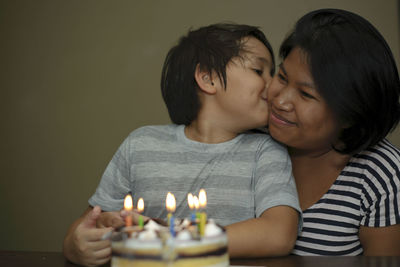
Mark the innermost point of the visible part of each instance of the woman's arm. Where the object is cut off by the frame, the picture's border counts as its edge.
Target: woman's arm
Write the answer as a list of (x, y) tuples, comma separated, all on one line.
[(380, 241), (274, 233)]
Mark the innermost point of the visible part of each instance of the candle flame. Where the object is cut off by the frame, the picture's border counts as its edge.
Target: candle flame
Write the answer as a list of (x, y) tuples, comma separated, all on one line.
[(170, 202), (140, 205), (202, 198), (128, 203), (196, 202), (190, 201)]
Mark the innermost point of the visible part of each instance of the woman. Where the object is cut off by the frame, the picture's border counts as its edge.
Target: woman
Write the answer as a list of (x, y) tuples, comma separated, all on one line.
[(333, 101)]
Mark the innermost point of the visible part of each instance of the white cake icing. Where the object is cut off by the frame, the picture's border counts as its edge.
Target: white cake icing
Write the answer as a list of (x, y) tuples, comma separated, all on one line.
[(147, 235), (155, 246), (184, 235), (212, 229), (152, 225)]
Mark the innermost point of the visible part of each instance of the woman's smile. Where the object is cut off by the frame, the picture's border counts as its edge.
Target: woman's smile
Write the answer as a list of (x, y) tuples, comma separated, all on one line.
[(280, 120)]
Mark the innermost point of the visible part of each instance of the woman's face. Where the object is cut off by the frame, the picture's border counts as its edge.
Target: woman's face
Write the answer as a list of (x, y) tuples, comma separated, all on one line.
[(299, 116)]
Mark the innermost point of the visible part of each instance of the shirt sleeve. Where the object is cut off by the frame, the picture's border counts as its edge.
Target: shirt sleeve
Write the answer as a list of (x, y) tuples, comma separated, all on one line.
[(274, 184), (381, 192), (115, 182)]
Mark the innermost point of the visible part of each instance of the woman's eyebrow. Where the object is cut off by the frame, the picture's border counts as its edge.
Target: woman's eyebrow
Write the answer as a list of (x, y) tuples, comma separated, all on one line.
[(281, 67), (301, 83)]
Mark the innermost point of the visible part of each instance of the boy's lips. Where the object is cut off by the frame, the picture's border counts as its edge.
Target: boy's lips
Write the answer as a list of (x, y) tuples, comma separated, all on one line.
[(278, 119)]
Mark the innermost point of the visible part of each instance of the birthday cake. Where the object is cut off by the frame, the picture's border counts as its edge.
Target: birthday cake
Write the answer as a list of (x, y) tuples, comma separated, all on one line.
[(158, 245)]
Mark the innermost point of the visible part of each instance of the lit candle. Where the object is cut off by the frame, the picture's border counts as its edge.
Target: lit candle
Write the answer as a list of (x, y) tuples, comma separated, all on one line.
[(171, 206), (196, 207), (140, 208), (191, 206), (128, 206), (203, 214)]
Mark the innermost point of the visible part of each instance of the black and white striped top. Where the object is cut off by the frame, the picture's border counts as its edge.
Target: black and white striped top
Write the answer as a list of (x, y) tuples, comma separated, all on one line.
[(366, 193)]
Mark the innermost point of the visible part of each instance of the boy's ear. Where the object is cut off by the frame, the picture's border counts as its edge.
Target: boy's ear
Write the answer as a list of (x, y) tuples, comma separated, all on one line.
[(204, 81)]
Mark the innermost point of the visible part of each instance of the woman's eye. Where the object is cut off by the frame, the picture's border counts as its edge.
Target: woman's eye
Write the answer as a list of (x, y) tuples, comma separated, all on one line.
[(281, 77), (305, 94)]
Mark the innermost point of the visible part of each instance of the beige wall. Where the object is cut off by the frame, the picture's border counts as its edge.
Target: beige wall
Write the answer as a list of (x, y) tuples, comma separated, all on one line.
[(78, 76)]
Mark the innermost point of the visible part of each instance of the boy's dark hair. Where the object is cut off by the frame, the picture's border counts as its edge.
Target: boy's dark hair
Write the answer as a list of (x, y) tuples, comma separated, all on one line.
[(354, 71), (210, 47)]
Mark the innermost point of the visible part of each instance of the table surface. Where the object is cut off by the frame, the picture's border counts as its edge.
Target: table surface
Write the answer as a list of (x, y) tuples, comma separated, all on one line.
[(56, 259)]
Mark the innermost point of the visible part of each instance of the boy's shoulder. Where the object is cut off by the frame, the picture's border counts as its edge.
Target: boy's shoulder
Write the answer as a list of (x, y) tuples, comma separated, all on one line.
[(261, 138), (154, 130), (259, 134), (151, 136)]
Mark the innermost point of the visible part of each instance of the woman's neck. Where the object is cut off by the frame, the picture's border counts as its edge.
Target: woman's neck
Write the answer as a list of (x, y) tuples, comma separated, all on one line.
[(328, 159), (315, 173)]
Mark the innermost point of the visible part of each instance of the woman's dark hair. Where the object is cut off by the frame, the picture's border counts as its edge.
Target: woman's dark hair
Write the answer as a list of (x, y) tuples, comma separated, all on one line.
[(211, 48), (354, 71)]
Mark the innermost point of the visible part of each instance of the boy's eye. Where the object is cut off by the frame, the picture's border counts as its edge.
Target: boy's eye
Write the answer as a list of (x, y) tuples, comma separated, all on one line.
[(259, 72)]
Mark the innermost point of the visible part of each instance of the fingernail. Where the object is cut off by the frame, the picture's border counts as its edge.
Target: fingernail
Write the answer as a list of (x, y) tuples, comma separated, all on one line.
[(107, 235)]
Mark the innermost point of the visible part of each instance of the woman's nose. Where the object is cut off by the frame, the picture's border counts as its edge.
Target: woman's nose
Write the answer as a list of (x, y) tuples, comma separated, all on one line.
[(284, 99)]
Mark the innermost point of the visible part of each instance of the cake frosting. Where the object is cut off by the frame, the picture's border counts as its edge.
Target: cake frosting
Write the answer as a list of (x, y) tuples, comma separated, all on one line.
[(154, 245)]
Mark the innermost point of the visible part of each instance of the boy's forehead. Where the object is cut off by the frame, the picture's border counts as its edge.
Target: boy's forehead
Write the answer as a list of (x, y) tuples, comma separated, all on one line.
[(257, 57), (254, 49)]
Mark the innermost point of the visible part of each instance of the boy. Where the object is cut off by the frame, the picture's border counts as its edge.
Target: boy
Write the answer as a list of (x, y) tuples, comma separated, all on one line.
[(214, 83)]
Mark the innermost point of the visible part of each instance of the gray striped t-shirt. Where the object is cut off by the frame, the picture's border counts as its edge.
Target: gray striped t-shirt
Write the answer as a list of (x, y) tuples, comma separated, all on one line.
[(243, 177)]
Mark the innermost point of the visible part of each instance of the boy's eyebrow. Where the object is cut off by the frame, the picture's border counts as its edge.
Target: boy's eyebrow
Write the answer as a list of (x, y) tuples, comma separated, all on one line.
[(264, 60)]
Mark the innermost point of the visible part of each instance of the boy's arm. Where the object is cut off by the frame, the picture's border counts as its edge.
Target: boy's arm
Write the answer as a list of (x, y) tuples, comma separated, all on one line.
[(274, 230), (274, 233)]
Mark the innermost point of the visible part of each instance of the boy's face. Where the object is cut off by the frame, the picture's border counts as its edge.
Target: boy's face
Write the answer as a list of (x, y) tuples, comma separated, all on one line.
[(243, 104)]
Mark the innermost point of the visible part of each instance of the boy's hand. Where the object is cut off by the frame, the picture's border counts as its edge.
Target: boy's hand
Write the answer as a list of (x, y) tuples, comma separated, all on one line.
[(116, 219), (110, 219), (135, 216), (83, 244)]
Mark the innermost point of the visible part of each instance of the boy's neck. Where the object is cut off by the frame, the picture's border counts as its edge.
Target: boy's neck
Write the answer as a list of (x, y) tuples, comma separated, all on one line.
[(208, 133)]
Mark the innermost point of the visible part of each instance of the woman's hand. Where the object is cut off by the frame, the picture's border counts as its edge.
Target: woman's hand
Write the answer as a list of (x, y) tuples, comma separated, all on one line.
[(83, 244)]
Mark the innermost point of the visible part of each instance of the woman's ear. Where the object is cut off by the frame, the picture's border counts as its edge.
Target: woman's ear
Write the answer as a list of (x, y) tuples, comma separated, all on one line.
[(204, 81)]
